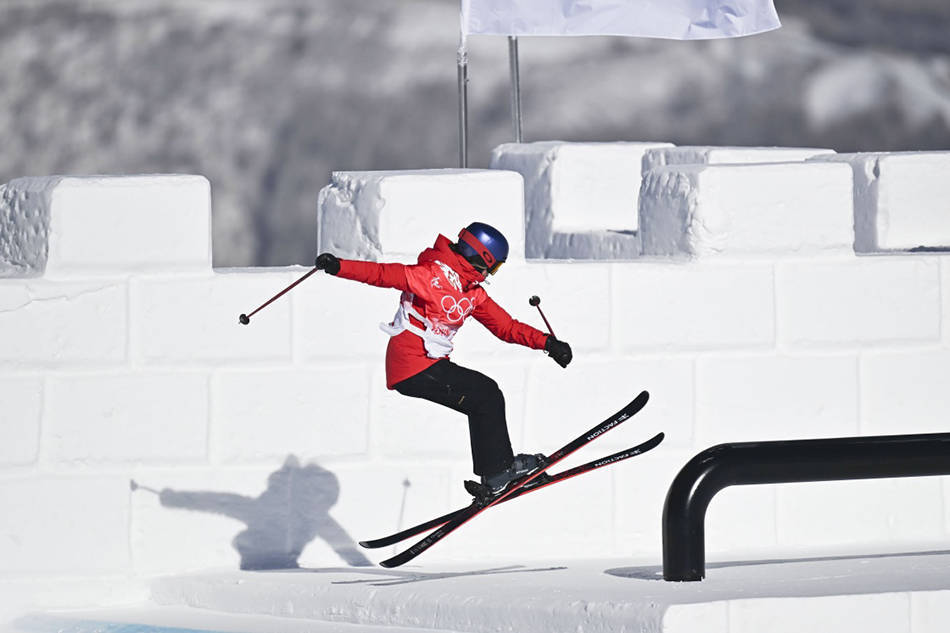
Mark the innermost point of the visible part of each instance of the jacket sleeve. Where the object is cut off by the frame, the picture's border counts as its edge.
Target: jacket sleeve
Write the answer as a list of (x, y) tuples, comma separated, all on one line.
[(397, 276), (500, 323)]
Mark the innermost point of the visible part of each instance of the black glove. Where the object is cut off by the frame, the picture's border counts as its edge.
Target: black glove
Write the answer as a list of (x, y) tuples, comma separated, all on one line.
[(328, 262), (558, 350)]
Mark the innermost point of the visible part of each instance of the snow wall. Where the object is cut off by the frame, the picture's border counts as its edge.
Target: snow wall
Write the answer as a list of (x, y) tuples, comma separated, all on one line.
[(146, 433)]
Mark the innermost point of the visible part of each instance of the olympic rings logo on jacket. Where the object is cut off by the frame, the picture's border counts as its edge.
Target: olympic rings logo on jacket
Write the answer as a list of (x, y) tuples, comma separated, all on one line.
[(456, 309)]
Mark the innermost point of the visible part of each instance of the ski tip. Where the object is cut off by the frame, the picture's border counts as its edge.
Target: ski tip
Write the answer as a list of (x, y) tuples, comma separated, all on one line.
[(389, 564), (656, 440), (638, 403), (365, 544)]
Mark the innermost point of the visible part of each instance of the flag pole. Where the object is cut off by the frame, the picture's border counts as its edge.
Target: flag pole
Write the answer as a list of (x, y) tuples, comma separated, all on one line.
[(463, 102), (515, 86)]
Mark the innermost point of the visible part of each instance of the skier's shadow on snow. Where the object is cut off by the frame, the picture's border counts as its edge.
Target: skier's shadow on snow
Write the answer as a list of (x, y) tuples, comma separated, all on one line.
[(293, 511)]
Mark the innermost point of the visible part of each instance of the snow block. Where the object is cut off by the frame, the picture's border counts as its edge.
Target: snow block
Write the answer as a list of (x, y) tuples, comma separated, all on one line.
[(184, 319), (768, 209), (277, 515), (905, 392), (853, 593), (662, 307), (849, 612), (608, 245), (22, 399), (564, 403), (899, 512), (311, 422), (580, 198), (929, 611), (150, 619), (393, 215), (567, 293), (379, 498), (338, 319), (104, 225), (51, 324), (720, 155), (858, 302), (748, 398), (126, 418), (754, 532), (24, 226), (188, 519), (38, 511), (901, 200)]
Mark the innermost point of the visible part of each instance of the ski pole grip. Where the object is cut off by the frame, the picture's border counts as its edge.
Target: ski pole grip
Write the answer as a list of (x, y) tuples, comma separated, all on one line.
[(535, 300)]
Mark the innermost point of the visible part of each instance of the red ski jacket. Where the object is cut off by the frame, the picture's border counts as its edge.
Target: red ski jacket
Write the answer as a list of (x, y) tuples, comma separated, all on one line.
[(439, 293)]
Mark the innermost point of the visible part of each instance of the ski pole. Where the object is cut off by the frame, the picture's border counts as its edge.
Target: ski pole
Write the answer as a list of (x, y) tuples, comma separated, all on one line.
[(536, 302), (244, 319)]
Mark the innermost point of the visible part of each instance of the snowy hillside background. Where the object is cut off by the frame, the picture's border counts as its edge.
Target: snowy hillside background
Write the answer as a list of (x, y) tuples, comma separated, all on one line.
[(266, 98)]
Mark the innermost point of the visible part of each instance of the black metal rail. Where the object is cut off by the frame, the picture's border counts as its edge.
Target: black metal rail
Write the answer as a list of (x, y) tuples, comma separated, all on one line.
[(883, 456)]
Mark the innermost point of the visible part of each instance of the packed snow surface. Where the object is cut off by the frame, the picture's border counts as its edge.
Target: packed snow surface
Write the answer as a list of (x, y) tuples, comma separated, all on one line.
[(861, 592)]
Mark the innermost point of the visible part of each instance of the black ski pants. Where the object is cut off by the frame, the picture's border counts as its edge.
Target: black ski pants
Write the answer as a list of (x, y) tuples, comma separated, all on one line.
[(477, 396)]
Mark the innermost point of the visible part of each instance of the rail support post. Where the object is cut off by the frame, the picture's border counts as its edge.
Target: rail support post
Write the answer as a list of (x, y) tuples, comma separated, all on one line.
[(684, 513)]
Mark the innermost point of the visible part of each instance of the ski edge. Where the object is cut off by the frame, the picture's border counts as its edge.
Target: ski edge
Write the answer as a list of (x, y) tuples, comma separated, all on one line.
[(628, 411), (632, 408), (590, 466)]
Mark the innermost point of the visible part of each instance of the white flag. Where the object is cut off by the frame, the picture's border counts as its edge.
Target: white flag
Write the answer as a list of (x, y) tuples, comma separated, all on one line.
[(669, 19)]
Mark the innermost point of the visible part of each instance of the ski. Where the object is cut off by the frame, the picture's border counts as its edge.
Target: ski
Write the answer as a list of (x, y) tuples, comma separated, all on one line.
[(477, 507), (541, 482)]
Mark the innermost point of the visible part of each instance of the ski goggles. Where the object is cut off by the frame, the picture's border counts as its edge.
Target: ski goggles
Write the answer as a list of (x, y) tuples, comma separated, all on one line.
[(489, 262)]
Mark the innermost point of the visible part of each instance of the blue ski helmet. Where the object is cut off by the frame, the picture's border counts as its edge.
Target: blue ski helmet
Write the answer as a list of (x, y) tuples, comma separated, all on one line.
[(484, 246)]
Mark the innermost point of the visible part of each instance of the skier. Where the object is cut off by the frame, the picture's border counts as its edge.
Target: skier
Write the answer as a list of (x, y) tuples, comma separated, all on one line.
[(438, 294)]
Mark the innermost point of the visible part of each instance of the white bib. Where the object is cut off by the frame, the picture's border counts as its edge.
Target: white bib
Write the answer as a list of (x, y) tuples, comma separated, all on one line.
[(437, 345)]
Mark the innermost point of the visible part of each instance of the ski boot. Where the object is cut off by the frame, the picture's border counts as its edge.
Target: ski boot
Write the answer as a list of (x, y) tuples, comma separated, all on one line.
[(491, 486)]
